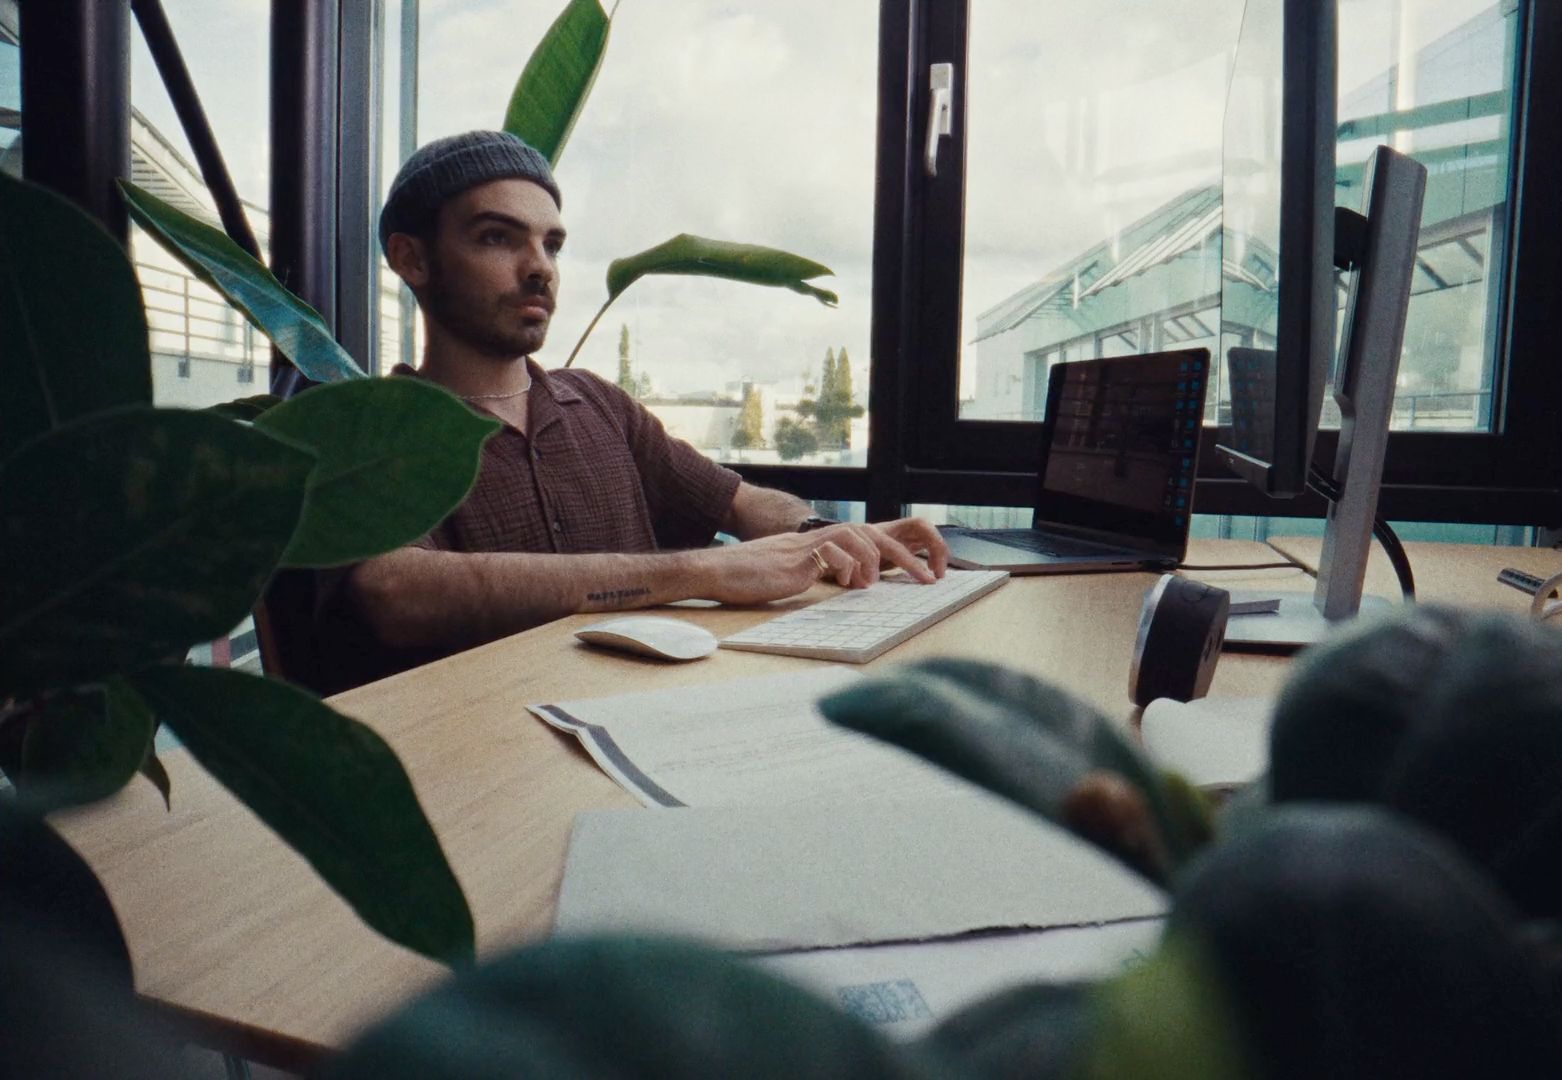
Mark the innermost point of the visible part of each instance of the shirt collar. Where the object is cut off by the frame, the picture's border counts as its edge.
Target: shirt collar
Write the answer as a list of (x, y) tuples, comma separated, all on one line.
[(547, 394)]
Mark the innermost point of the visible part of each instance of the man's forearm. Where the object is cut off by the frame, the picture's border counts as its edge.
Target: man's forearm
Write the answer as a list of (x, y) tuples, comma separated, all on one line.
[(758, 511), (415, 598)]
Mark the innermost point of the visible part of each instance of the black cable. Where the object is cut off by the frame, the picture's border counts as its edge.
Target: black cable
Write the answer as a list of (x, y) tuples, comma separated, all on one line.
[(1329, 489)]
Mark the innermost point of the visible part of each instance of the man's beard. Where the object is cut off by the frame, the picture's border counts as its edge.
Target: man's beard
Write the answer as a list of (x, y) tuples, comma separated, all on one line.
[(490, 330)]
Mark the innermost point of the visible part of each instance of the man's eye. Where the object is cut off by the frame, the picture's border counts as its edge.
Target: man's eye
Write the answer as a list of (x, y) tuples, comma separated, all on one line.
[(492, 237), (554, 246)]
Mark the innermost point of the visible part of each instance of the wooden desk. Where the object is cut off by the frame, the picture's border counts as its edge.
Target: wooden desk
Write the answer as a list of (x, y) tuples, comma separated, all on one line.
[(1462, 574), (232, 930)]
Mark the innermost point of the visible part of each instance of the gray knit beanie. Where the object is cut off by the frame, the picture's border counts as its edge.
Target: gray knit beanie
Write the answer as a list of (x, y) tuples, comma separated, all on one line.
[(441, 170)]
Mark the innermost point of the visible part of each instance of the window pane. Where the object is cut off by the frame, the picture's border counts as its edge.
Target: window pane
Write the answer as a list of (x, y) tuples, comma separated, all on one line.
[(1093, 204), (1092, 189), (10, 92), (750, 123), (399, 328), (204, 351), (1435, 80)]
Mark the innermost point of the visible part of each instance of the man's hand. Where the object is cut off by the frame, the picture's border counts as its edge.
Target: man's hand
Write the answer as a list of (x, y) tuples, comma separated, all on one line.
[(784, 565)]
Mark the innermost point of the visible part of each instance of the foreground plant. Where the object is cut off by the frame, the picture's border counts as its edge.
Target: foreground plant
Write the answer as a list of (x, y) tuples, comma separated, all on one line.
[(130, 533)]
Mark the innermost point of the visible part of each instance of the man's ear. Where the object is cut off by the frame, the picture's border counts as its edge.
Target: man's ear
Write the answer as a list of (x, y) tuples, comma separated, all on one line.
[(406, 255)]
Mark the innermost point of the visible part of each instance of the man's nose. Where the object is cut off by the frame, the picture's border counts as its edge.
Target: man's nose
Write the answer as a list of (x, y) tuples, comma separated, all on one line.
[(537, 264)]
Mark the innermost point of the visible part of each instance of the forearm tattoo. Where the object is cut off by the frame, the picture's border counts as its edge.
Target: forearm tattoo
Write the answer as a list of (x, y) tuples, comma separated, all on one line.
[(608, 597)]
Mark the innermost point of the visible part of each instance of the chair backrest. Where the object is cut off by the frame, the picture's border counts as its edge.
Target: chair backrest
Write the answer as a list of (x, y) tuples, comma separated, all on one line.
[(285, 630)]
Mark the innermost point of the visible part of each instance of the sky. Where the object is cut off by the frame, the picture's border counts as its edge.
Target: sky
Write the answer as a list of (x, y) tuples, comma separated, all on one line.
[(753, 122)]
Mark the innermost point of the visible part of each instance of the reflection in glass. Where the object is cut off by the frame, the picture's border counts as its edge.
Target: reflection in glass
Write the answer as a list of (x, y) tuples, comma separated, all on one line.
[(1093, 211), (1092, 189), (1435, 80)]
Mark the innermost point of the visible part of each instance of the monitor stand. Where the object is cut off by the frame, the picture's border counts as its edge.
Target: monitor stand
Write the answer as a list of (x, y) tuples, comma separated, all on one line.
[(1368, 368)]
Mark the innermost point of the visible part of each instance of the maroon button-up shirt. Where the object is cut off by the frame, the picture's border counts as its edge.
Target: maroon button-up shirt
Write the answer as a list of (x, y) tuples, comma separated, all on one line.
[(595, 472)]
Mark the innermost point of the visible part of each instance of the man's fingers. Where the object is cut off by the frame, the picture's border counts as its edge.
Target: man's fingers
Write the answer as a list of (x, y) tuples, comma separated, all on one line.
[(864, 551), (895, 552), (841, 563), (918, 535)]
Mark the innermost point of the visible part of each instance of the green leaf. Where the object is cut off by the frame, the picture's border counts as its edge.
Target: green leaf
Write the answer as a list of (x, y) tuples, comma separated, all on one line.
[(1168, 1017), (248, 409), (1022, 738), (130, 536), (72, 328), (625, 1007), (552, 90), (394, 458), (83, 746), (1040, 1030), (292, 325), (331, 788), (750, 263), (153, 770)]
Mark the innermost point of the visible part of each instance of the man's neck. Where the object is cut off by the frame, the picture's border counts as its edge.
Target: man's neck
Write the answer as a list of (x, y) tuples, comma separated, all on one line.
[(466, 373)]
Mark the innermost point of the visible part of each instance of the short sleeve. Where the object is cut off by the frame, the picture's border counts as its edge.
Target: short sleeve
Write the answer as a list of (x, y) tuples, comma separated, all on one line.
[(687, 493)]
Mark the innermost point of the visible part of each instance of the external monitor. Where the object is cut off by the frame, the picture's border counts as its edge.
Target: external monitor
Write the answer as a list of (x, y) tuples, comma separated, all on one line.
[(1278, 310)]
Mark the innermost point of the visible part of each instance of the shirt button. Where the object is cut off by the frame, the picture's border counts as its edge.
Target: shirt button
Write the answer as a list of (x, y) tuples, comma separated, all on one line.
[(558, 526)]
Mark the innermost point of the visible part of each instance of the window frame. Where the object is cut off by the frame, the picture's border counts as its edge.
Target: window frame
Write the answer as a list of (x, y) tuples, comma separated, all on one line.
[(921, 452), (1427, 475)]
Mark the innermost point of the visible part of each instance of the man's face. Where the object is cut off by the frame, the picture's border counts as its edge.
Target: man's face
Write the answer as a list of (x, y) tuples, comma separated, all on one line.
[(493, 268)]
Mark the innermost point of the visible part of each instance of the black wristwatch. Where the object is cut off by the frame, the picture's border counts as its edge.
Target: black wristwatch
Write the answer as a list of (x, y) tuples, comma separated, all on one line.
[(810, 523)]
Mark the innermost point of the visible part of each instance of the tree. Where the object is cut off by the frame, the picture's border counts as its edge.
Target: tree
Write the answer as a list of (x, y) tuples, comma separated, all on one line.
[(626, 378), (834, 409), (794, 439), (748, 431)]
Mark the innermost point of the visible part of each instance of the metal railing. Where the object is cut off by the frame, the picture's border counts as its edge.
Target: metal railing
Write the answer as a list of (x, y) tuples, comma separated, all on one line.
[(192, 321)]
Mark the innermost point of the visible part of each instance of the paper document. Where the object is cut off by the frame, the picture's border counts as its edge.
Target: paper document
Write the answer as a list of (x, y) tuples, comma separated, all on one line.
[(1213, 741), (836, 873), (903, 990), (757, 740)]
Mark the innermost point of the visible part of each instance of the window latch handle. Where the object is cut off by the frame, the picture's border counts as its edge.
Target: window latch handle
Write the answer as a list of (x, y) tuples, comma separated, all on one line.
[(940, 108)]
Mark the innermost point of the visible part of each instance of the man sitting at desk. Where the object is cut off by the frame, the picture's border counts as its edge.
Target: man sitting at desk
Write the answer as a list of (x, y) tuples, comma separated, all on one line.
[(583, 501)]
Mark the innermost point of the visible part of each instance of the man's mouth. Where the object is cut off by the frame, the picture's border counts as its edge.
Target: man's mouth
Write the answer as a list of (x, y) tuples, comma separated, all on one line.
[(536, 306)]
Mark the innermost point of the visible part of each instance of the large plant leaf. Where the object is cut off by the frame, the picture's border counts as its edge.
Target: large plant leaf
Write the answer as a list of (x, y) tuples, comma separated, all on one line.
[(395, 456), (331, 788), (1168, 1017), (130, 536), (247, 409), (676, 1010), (72, 328), (83, 746), (292, 325), (49, 894), (1030, 742), (751, 263), (552, 90)]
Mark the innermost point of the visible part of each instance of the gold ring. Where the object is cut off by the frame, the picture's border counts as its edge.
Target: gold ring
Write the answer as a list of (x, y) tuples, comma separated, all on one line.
[(824, 567)]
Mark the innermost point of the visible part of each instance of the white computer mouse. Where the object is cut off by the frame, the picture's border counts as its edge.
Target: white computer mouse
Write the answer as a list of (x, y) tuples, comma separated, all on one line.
[(651, 635)]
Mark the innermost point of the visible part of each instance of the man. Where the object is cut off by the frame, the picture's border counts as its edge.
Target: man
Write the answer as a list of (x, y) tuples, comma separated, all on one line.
[(583, 502)]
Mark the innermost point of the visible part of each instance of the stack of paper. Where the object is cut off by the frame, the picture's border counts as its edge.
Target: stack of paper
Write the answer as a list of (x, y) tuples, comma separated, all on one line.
[(810, 876), (779, 830)]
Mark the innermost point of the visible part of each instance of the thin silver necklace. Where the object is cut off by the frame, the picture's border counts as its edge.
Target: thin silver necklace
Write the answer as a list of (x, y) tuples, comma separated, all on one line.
[(500, 397)]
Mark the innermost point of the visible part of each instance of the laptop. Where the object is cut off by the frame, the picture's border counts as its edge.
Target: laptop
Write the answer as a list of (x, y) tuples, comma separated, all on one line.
[(1119, 452)]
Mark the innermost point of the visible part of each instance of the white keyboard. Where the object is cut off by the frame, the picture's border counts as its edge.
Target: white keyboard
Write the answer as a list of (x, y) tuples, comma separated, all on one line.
[(860, 624)]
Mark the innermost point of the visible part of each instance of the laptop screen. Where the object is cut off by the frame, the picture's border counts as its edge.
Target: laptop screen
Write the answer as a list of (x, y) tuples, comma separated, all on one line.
[(1120, 448)]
